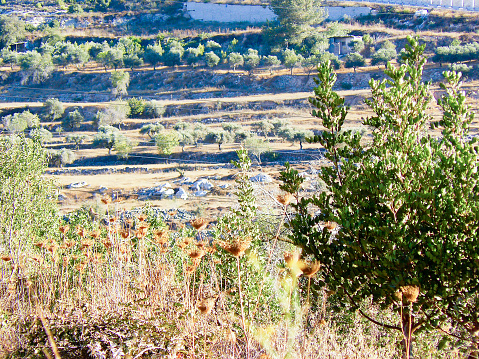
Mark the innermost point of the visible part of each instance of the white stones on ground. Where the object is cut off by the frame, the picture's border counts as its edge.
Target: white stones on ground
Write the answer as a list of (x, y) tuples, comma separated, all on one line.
[(62, 197), (181, 193), (224, 186), (77, 184), (102, 189), (262, 178), (200, 193), (202, 185)]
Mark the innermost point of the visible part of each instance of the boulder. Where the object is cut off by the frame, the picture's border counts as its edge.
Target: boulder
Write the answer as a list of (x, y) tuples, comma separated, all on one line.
[(200, 193), (77, 184), (202, 185), (181, 193)]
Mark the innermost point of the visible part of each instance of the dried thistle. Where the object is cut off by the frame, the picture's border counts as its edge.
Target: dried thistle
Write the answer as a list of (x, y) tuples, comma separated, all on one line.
[(410, 292), (238, 247), (308, 268), (330, 225), (64, 229), (206, 305), (125, 234), (106, 200), (199, 223), (112, 219), (196, 254), (6, 258), (82, 232), (142, 217), (284, 199), (95, 234)]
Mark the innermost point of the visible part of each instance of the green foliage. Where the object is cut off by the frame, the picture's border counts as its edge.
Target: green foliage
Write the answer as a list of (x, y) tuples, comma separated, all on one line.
[(120, 80), (456, 52), (219, 137), (251, 59), (151, 129), (235, 59), (153, 109), (174, 54), (354, 59), (123, 146), (53, 109), (73, 120), (59, 158), (26, 196), (75, 9), (20, 121), (395, 201), (35, 66), (41, 135), (115, 114), (166, 141), (137, 106), (257, 146), (291, 59), (12, 30), (153, 54), (386, 53), (296, 18), (212, 59), (77, 139)]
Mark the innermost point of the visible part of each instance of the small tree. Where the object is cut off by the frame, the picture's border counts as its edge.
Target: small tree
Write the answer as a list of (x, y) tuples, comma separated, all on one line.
[(115, 114), (26, 195), (354, 60), (151, 129), (120, 80), (251, 60), (12, 30), (295, 135), (271, 62), (291, 59), (42, 135), (53, 109), (123, 146), (154, 109), (59, 158), (257, 146), (219, 137), (404, 205), (166, 141), (77, 139), (153, 54), (20, 121), (137, 106), (106, 137), (235, 59), (386, 53), (212, 59), (35, 67), (73, 120)]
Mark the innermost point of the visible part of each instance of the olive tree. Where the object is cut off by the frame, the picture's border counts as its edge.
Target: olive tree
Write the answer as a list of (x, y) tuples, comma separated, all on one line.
[(53, 109), (397, 224)]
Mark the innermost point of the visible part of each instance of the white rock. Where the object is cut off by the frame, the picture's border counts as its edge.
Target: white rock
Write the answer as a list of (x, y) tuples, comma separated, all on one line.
[(224, 186), (261, 177), (202, 184), (103, 189), (181, 193), (168, 192), (200, 193), (77, 184)]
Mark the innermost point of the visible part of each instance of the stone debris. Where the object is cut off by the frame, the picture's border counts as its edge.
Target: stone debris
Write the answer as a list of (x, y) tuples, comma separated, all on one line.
[(201, 193), (262, 178), (77, 184), (181, 194), (202, 184)]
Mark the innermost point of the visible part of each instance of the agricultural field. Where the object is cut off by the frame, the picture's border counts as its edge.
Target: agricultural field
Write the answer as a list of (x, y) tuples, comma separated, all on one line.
[(172, 188)]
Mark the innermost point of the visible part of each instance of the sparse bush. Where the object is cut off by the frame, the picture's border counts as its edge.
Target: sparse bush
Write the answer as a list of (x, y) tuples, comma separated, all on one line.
[(114, 114), (212, 59), (20, 121), (59, 158), (235, 59), (137, 106), (166, 141), (154, 109), (354, 60), (53, 109), (73, 120)]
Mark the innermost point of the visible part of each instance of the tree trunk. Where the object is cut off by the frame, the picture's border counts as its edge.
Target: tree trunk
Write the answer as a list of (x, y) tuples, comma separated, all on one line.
[(300, 145), (219, 146)]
